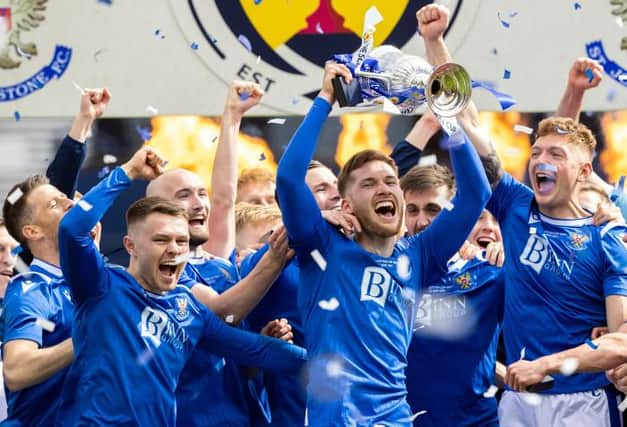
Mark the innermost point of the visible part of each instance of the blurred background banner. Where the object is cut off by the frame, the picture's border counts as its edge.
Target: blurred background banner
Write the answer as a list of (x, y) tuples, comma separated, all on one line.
[(177, 56)]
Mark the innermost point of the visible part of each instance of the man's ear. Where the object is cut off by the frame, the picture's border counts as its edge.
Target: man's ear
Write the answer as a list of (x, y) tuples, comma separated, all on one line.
[(32, 232), (346, 206), (129, 245), (584, 172)]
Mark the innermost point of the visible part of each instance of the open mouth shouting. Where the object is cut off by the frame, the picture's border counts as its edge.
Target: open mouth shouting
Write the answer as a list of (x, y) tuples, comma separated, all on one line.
[(385, 209), (198, 221), (545, 177), (170, 269), (483, 240)]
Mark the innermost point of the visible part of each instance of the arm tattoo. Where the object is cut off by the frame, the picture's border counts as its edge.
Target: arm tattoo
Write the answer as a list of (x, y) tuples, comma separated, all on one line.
[(493, 168)]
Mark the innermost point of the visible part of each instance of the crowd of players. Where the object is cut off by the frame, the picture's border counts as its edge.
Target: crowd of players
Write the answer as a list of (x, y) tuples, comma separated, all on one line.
[(374, 298)]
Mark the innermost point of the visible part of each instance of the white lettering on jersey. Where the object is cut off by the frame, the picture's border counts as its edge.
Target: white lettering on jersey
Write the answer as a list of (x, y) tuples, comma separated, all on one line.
[(375, 285), (157, 326), (535, 253)]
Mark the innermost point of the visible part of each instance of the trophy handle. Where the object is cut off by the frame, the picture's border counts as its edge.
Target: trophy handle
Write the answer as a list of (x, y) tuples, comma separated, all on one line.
[(448, 90)]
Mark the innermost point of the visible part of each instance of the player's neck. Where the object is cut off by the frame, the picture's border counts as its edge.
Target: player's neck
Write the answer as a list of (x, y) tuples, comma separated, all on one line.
[(383, 246), (570, 210), (45, 253)]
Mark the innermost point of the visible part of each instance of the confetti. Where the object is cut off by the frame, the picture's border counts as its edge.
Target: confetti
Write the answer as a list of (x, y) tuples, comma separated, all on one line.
[(445, 203), (531, 399), (107, 159), (84, 205), (245, 42), (319, 28), (505, 24), (495, 52), (229, 318), (214, 139), (17, 250), (569, 366), (429, 160), (257, 1), (507, 74), (591, 344), (14, 196), (98, 53), (319, 259), (258, 59), (417, 414), (403, 267), (623, 405), (103, 172), (294, 100), (17, 116), (144, 133), (277, 121), (513, 14), (523, 129), (589, 75), (152, 111), (522, 353), (372, 18), (329, 305), (107, 2), (144, 357), (389, 107), (194, 46), (78, 88), (244, 96), (577, 6), (490, 392), (45, 324), (262, 157), (158, 33), (619, 21)]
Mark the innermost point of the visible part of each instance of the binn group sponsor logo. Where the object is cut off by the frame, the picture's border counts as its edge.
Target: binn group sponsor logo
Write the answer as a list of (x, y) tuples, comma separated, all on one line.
[(283, 46), (20, 47)]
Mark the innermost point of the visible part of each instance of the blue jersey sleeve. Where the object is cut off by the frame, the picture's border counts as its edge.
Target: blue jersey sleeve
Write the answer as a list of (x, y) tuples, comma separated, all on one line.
[(406, 156), (82, 265), (505, 195), (65, 167), (249, 263), (25, 302), (301, 214), (615, 251), (251, 349), (473, 191)]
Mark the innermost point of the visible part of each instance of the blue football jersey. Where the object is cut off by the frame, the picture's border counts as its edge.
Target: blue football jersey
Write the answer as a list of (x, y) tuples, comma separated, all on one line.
[(452, 355), (286, 393), (130, 345), (212, 390), (558, 274), (38, 307)]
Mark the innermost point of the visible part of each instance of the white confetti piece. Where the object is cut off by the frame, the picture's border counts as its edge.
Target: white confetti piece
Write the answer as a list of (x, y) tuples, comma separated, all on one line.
[(429, 160), (334, 368), (491, 392), (403, 267), (107, 159), (329, 305), (417, 414), (319, 259), (319, 28), (144, 357), (45, 324), (523, 129), (229, 318), (14, 196), (372, 18), (78, 88), (619, 21), (531, 399), (569, 366), (258, 59), (152, 111), (389, 107), (84, 205), (276, 121), (623, 405), (522, 353), (445, 203)]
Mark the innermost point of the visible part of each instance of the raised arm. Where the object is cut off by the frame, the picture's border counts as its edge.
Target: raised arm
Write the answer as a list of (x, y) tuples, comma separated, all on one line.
[(81, 262), (473, 192), (251, 349), (300, 211), (241, 97), (64, 169), (578, 82), (406, 154)]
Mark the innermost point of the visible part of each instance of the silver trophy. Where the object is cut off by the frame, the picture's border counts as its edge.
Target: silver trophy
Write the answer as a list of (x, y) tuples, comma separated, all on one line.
[(408, 81)]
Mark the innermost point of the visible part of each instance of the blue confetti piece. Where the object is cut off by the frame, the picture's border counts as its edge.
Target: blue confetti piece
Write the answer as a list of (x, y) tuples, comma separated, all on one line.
[(17, 116), (245, 42), (107, 2), (505, 24), (258, 1), (506, 74), (547, 167), (589, 74), (244, 96), (294, 100), (17, 250), (513, 14), (592, 345), (495, 52), (506, 101), (103, 172), (195, 46), (262, 157), (158, 33), (611, 95), (144, 133), (577, 6)]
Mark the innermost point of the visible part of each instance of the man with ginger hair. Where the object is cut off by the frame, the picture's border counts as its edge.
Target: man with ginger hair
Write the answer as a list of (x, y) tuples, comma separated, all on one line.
[(256, 186)]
